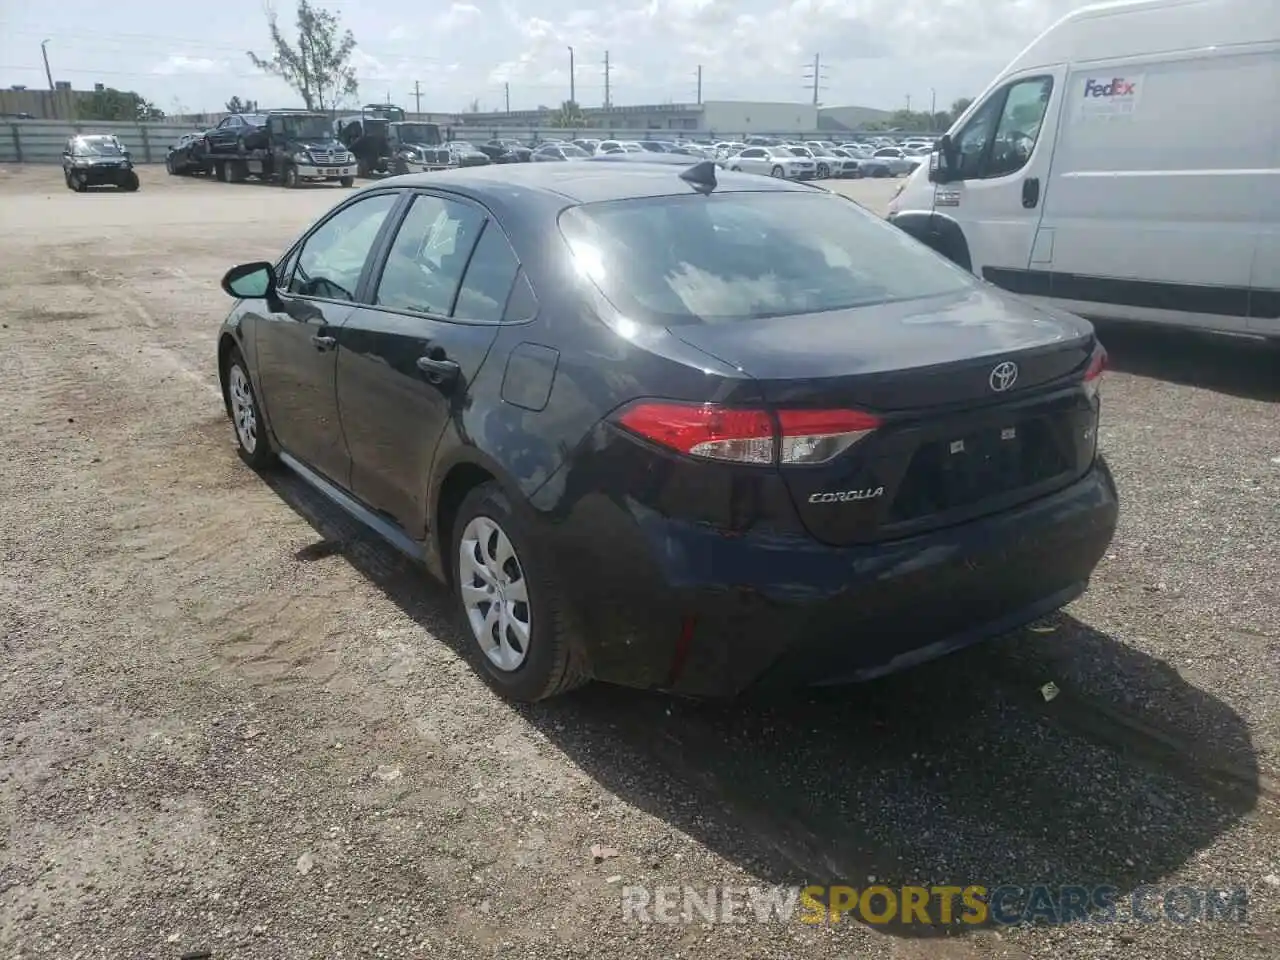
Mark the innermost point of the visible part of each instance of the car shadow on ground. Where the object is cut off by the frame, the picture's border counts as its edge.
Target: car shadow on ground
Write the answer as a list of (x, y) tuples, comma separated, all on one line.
[(1237, 366), (958, 772)]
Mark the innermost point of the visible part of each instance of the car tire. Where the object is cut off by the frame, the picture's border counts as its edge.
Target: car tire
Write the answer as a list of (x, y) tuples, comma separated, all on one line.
[(290, 177), (823, 171), (776, 172), (131, 182), (66, 177), (240, 146), (347, 181), (79, 182), (247, 425), (169, 168), (220, 171), (493, 555)]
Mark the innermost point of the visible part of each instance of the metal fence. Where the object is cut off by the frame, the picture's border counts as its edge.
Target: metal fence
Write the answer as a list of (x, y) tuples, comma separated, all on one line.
[(41, 141)]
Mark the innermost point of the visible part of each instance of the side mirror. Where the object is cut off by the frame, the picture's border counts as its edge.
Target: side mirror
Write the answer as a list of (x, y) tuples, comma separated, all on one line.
[(943, 165), (252, 281)]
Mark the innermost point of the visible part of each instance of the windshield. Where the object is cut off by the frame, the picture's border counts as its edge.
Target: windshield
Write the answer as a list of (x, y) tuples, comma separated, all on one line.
[(305, 128), (99, 147), (575, 152), (424, 133), (747, 256), (800, 151)]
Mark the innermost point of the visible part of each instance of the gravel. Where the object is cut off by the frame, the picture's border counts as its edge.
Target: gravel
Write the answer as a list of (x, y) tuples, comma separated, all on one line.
[(232, 724)]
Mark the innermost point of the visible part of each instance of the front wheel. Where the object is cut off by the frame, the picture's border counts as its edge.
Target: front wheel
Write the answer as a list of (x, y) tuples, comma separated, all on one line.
[(291, 178), (169, 168), (512, 605), (242, 402), (823, 171), (130, 182), (348, 181), (775, 172)]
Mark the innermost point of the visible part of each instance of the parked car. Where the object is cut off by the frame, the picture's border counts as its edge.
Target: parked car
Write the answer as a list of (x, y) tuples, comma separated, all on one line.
[(897, 160), (589, 145), (671, 159), (97, 160), (826, 164), (558, 152), (505, 151), (773, 161), (239, 132), (852, 164), (676, 428), (620, 146), (466, 154), (186, 155)]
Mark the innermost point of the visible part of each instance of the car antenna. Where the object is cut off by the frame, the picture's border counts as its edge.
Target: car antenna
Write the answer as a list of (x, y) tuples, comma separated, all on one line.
[(702, 176)]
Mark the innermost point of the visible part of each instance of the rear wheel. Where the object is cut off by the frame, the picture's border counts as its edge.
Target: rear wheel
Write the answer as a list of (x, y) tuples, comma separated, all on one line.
[(775, 172), (512, 605), (220, 170)]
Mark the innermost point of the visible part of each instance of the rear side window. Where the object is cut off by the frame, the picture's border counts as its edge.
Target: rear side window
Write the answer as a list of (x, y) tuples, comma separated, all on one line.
[(487, 283), (745, 256)]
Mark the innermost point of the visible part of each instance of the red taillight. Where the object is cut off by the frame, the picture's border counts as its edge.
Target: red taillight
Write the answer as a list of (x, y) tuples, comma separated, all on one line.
[(714, 432), (1093, 373)]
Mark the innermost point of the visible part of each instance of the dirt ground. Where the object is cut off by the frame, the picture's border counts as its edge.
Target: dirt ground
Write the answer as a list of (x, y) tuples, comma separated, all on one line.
[(234, 725)]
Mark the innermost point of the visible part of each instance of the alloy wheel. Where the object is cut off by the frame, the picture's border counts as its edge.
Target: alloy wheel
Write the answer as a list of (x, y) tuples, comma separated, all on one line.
[(495, 593), (244, 412)]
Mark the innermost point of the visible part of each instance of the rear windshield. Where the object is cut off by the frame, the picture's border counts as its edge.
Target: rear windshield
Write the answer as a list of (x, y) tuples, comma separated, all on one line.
[(746, 256)]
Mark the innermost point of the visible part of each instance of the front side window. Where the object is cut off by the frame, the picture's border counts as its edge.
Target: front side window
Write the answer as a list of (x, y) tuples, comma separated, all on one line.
[(333, 257), (745, 256), (1019, 127), (999, 137), (428, 256)]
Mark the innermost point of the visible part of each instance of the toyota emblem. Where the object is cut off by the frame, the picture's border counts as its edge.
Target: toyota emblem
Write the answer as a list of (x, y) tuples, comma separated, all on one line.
[(1004, 376)]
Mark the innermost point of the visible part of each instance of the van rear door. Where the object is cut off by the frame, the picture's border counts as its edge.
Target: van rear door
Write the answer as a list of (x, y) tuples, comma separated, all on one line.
[(1264, 299)]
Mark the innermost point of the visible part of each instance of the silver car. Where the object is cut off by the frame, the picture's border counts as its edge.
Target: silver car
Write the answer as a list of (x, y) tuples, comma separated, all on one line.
[(773, 162)]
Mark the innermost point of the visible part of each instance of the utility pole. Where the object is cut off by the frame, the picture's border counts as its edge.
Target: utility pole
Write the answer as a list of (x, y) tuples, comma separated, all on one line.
[(908, 103), (506, 95), (606, 79), (933, 105), (47, 72), (573, 90), (417, 97), (815, 80), (699, 83)]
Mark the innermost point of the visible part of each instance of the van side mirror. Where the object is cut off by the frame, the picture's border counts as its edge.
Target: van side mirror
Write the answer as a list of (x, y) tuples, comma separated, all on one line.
[(943, 162), (253, 281)]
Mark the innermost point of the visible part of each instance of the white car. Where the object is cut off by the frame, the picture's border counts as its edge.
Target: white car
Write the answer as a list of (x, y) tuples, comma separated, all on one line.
[(827, 164), (620, 146), (897, 160), (774, 162)]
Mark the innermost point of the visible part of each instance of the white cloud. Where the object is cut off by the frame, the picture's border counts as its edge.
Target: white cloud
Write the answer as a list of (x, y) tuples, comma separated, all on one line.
[(177, 65), (458, 15)]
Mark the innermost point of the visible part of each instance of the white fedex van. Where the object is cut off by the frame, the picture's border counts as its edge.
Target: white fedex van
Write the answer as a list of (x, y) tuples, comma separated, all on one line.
[(1126, 165)]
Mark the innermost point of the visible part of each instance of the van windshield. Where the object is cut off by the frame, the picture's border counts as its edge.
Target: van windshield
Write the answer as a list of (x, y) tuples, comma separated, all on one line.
[(745, 256)]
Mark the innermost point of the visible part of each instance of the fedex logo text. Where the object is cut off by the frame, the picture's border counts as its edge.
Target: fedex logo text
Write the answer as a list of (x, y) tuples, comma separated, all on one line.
[(1116, 87)]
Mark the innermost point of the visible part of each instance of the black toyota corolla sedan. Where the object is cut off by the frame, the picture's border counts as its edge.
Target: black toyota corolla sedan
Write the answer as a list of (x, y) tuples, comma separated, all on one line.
[(673, 427)]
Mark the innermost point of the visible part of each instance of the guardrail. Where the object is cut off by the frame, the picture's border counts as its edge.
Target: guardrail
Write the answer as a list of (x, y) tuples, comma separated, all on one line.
[(41, 141)]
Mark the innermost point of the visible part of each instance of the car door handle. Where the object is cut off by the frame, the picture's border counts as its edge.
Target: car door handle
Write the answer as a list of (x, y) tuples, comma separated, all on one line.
[(439, 369), (1030, 192), (324, 343)]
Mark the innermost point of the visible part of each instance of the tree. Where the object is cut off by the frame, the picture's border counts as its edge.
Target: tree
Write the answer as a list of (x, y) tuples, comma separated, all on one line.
[(474, 106), (319, 67), (112, 104), (568, 117), (236, 105), (960, 106)]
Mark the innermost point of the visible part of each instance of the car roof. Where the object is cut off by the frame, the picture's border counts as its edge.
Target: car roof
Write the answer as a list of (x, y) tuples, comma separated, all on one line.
[(586, 182)]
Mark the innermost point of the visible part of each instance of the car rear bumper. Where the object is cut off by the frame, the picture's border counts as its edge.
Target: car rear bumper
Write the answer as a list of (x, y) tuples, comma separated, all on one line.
[(684, 607)]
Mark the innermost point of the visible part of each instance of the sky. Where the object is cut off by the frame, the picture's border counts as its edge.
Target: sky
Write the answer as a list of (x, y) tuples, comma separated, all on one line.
[(191, 57)]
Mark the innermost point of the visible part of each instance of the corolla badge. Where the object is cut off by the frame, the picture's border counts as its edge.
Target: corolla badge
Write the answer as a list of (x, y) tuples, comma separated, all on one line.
[(844, 496), (1003, 376)]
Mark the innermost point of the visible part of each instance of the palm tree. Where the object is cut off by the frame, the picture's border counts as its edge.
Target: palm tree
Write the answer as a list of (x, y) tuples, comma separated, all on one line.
[(568, 117)]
